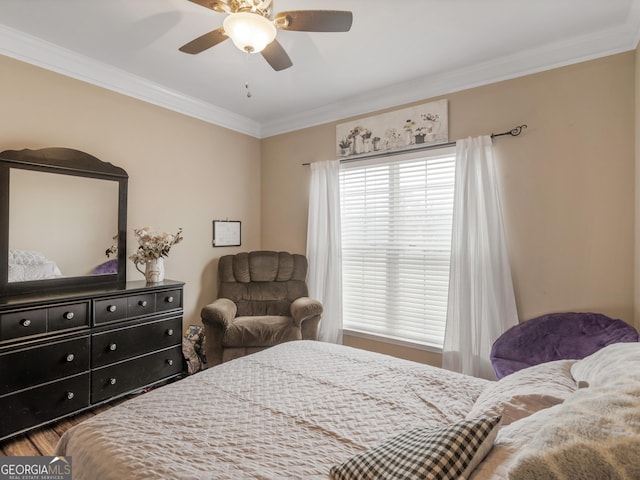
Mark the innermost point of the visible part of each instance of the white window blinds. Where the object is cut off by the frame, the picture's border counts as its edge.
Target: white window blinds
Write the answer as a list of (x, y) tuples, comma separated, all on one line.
[(396, 244)]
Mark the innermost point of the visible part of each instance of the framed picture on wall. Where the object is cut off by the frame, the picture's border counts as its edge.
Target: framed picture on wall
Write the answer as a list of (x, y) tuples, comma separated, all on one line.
[(399, 130), (226, 233)]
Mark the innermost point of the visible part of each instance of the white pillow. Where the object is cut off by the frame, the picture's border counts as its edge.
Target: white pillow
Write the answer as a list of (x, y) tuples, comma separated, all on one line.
[(526, 391), (612, 364), (450, 452)]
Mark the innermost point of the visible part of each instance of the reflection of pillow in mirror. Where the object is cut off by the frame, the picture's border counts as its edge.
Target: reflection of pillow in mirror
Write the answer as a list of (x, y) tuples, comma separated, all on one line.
[(110, 266), (526, 391), (26, 257)]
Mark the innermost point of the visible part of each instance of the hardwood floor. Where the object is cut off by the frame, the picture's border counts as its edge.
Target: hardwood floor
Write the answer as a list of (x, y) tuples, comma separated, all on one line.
[(43, 440)]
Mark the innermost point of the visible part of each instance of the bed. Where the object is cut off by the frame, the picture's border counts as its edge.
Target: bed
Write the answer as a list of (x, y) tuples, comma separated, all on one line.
[(308, 410)]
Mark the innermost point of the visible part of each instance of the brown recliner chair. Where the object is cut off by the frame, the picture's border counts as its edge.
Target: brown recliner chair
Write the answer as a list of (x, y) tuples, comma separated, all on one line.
[(262, 301)]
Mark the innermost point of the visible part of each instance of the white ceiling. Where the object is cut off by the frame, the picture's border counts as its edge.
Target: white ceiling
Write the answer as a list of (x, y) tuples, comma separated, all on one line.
[(396, 52)]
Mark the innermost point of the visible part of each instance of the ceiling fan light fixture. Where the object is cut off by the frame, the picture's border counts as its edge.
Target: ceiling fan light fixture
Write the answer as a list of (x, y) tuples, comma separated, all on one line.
[(250, 32)]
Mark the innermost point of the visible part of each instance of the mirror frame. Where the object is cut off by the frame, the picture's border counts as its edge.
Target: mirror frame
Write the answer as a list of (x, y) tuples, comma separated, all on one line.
[(64, 161)]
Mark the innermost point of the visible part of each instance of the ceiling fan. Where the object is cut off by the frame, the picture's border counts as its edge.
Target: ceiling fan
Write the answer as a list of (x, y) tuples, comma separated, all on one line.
[(252, 26)]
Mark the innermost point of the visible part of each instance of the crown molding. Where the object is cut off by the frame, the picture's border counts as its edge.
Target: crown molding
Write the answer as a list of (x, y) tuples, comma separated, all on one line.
[(551, 56), (29, 49)]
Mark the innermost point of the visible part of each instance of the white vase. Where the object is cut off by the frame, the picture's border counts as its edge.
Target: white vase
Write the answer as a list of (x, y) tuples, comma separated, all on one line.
[(153, 270), (357, 146), (408, 136)]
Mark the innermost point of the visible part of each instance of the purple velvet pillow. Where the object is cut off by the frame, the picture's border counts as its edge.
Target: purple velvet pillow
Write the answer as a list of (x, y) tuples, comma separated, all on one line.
[(556, 336)]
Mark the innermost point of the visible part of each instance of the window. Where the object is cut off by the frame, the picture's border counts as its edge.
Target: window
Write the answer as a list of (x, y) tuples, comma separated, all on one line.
[(396, 244)]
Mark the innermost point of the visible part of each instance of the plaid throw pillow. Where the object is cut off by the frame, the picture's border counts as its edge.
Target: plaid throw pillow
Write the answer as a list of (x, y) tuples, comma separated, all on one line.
[(449, 452)]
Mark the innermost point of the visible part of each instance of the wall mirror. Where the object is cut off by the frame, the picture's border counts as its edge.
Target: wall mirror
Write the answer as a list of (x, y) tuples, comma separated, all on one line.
[(62, 209)]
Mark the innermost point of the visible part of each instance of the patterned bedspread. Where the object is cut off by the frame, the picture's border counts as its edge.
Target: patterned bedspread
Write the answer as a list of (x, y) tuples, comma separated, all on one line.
[(289, 412)]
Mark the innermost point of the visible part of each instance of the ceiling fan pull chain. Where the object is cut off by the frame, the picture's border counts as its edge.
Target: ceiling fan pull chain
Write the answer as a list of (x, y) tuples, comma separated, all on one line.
[(246, 84)]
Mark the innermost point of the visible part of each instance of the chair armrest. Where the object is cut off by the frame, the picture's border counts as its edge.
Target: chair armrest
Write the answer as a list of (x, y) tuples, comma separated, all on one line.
[(219, 314), (216, 318), (303, 308)]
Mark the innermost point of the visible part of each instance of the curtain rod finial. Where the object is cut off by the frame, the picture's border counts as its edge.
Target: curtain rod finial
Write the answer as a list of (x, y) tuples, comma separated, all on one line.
[(518, 130), (514, 132)]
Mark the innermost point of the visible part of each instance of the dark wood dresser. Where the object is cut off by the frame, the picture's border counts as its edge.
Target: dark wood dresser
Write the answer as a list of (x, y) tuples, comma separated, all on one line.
[(63, 352)]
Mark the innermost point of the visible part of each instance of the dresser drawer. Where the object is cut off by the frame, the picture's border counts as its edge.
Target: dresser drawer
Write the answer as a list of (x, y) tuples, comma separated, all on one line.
[(68, 316), (138, 305), (34, 365), (110, 310), (120, 344), (133, 306), (168, 300), (23, 323), (31, 322), (32, 407), (136, 373)]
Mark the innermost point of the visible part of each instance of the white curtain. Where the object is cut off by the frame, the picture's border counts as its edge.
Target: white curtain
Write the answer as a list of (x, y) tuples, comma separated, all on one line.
[(481, 304), (324, 247)]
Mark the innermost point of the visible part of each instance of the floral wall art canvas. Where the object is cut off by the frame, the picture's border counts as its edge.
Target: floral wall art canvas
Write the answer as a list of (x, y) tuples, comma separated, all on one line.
[(405, 129)]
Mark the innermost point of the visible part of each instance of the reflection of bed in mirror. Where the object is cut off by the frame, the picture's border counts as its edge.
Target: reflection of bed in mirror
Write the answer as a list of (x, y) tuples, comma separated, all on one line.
[(26, 265)]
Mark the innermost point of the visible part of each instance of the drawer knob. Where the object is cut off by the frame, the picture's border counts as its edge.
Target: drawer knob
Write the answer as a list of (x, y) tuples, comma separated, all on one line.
[(170, 362), (169, 299), (68, 315), (113, 347), (70, 395), (112, 308), (170, 332), (25, 322), (112, 381), (71, 357), (143, 303)]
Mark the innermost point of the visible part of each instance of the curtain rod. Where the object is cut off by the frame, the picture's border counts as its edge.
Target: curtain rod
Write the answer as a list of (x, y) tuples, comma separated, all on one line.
[(514, 132)]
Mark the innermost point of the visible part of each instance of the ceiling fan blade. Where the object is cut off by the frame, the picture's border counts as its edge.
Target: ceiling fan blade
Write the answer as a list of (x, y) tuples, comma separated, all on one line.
[(314, 20), (217, 5), (276, 56), (205, 41)]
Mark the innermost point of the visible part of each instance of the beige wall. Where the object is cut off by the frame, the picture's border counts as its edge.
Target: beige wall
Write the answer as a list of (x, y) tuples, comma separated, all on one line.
[(637, 191), (285, 184), (567, 184), (182, 172)]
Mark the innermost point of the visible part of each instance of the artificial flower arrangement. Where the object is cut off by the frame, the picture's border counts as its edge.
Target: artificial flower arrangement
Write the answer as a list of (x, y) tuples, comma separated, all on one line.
[(393, 136), (429, 117), (346, 143), (409, 124), (152, 246), (356, 131), (113, 249)]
